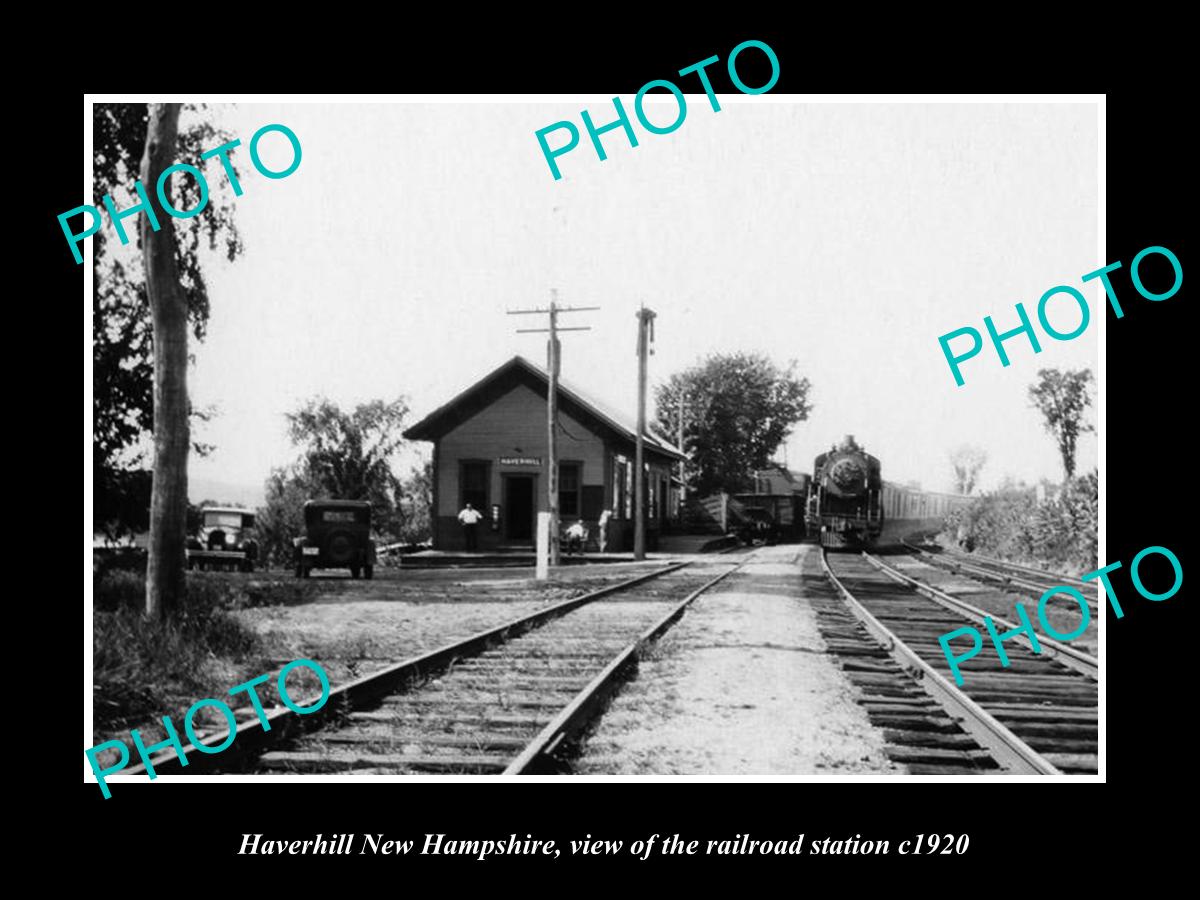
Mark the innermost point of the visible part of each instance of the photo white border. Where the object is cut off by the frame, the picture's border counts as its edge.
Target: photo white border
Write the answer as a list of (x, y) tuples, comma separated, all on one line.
[(1100, 100)]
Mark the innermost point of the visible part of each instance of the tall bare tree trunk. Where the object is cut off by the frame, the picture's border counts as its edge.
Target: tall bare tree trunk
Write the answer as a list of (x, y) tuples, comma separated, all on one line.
[(165, 579)]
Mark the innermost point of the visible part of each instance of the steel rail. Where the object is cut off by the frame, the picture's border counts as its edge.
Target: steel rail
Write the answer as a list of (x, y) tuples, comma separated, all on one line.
[(1049, 577), (582, 709), (1081, 662), (955, 564), (251, 737), (1006, 748)]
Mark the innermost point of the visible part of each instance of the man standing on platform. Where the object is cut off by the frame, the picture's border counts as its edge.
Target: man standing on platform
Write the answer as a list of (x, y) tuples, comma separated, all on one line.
[(470, 518), (603, 526)]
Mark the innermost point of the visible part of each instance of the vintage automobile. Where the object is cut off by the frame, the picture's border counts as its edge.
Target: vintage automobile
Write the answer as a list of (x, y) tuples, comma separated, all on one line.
[(225, 540), (758, 527), (337, 535)]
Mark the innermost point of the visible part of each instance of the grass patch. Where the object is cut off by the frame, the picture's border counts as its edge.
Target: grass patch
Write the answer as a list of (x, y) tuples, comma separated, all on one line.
[(207, 591), (144, 669)]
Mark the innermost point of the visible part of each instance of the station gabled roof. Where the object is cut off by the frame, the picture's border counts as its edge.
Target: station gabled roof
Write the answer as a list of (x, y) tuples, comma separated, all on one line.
[(571, 400)]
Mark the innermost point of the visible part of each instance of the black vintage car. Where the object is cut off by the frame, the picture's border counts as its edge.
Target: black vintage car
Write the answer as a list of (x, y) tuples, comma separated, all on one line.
[(758, 526), (337, 535)]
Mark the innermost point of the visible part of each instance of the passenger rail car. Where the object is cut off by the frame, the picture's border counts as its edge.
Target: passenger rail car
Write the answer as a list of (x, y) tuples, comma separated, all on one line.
[(909, 503)]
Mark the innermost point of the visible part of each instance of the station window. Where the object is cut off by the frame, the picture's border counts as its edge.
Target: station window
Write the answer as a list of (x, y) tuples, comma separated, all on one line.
[(568, 489), (616, 485), (474, 481), (629, 489), (622, 487)]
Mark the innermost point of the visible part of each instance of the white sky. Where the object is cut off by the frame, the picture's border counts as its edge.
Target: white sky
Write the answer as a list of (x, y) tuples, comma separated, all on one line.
[(848, 237)]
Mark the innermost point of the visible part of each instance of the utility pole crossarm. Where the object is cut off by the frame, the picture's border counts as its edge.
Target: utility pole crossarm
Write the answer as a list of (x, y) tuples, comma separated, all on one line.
[(547, 330)]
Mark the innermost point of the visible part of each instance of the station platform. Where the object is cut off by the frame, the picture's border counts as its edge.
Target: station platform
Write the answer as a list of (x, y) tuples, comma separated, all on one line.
[(696, 543), (434, 559), (671, 545), (742, 686)]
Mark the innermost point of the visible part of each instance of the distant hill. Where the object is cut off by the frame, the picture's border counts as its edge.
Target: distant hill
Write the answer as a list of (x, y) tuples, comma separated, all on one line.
[(248, 495)]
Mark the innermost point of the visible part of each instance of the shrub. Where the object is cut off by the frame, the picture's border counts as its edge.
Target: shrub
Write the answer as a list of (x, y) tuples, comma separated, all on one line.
[(1060, 532)]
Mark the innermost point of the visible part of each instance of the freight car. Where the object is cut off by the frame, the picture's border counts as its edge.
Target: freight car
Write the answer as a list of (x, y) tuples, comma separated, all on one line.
[(775, 511), (845, 497), (768, 518)]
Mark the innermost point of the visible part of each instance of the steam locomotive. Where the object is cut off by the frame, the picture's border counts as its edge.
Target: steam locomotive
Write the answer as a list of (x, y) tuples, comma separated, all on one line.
[(845, 498)]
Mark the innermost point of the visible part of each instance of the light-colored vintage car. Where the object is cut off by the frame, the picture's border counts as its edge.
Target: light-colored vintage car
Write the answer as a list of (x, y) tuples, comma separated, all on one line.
[(226, 540)]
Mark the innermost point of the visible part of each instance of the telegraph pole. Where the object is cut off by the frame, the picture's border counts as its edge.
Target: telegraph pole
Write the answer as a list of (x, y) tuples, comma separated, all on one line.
[(645, 338), (553, 356), (552, 351), (682, 472)]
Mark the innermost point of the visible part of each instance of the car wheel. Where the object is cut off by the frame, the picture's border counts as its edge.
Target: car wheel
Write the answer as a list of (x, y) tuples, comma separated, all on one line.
[(368, 572)]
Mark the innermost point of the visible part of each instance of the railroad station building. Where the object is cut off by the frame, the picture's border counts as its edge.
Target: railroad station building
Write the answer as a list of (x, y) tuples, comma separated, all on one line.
[(490, 450)]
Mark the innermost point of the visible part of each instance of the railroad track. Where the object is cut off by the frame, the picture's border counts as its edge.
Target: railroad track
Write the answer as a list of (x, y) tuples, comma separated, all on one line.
[(1037, 716), (995, 571), (505, 701)]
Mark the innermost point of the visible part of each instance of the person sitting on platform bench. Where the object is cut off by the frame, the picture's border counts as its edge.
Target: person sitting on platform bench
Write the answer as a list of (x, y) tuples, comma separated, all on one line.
[(576, 536), (470, 518)]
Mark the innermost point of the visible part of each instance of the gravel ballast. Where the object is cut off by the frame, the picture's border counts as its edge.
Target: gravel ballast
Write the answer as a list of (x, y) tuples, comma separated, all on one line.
[(741, 686)]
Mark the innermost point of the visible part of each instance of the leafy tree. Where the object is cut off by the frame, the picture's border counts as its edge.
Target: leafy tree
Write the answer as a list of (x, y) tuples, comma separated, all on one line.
[(122, 328), (348, 453), (1010, 523), (170, 288), (416, 505), (1062, 398), (281, 518), (121, 505), (737, 409), (343, 456), (967, 462)]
